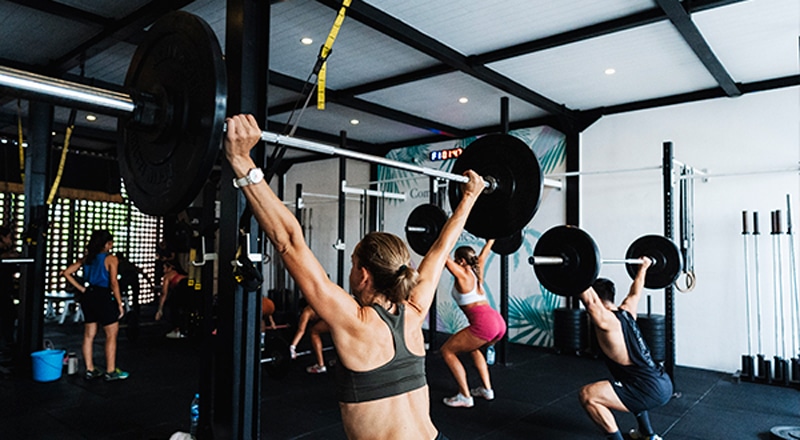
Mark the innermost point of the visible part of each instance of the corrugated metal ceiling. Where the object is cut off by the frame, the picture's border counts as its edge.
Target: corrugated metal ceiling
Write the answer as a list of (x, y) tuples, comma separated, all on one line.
[(400, 67)]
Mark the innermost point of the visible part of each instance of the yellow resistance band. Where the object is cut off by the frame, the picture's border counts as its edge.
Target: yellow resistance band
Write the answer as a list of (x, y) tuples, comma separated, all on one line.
[(57, 180), (21, 139), (326, 49)]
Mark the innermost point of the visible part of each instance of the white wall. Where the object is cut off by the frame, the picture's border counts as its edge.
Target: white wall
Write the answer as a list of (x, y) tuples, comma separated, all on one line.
[(752, 133)]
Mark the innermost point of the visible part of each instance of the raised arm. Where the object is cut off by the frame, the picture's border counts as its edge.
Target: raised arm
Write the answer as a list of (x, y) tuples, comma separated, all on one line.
[(282, 228), (430, 269), (631, 302), (601, 316)]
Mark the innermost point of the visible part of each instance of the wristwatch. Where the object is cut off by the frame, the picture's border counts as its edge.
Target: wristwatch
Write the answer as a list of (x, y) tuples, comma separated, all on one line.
[(255, 175)]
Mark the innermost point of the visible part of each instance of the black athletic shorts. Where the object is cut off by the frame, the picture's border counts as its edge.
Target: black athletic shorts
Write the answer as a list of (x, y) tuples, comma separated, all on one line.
[(99, 305), (642, 394)]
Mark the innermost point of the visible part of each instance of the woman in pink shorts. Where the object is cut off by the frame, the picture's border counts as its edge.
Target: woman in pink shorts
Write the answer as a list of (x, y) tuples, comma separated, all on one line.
[(486, 326)]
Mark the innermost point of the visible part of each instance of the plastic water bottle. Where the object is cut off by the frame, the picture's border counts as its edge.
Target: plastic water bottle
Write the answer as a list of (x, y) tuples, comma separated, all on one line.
[(195, 415), (490, 355)]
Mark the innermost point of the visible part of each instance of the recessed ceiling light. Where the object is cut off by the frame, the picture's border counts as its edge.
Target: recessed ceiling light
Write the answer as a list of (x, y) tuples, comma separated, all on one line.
[(610, 71), (463, 100), (354, 121), (91, 118), (53, 133), (306, 40)]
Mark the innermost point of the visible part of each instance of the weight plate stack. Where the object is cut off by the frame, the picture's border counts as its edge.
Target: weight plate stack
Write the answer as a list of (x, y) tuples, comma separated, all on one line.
[(653, 328), (569, 330)]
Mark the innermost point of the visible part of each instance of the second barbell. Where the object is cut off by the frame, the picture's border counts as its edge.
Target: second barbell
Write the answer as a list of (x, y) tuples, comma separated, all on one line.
[(567, 261)]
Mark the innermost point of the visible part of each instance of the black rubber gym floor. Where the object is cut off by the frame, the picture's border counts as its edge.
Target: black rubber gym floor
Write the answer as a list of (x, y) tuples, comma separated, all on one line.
[(536, 398)]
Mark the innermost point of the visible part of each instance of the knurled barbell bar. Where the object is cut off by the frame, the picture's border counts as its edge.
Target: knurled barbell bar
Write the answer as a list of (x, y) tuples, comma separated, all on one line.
[(171, 123), (277, 357), (567, 261)]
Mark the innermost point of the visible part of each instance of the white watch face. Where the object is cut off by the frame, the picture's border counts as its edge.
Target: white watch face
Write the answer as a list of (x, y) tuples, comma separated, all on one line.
[(255, 175)]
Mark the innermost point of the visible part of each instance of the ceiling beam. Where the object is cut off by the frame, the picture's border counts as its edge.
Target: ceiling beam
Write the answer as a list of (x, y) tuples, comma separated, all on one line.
[(700, 95), (347, 100), (686, 27), (124, 29), (65, 11), (405, 34)]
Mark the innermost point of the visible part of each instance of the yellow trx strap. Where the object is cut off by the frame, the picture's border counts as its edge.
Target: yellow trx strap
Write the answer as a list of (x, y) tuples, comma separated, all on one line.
[(57, 181), (326, 50), (19, 143), (321, 87)]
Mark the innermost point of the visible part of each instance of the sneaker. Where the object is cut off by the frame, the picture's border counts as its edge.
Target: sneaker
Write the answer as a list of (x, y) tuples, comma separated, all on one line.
[(459, 401), (116, 375), (316, 369), (91, 374), (175, 334), (293, 351), (634, 434), (482, 392)]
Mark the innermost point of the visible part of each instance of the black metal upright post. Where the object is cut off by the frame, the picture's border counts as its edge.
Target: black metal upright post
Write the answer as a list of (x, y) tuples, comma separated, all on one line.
[(237, 367), (207, 275), (340, 243), (669, 232), (572, 186), (433, 199), (501, 352), (31, 321)]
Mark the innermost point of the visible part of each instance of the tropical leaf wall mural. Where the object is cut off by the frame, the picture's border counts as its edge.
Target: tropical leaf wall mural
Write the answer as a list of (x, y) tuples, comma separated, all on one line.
[(530, 306)]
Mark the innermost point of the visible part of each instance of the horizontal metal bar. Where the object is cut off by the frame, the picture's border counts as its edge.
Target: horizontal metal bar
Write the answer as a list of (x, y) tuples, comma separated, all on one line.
[(57, 91), (16, 260), (538, 259), (623, 261), (315, 147), (372, 192), (586, 173), (416, 229)]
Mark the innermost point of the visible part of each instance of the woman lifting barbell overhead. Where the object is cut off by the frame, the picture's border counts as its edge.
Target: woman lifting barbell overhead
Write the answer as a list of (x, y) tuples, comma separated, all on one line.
[(486, 326), (381, 381), (639, 384)]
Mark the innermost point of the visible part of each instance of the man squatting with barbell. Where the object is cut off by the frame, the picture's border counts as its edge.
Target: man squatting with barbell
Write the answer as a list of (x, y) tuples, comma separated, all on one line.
[(639, 383)]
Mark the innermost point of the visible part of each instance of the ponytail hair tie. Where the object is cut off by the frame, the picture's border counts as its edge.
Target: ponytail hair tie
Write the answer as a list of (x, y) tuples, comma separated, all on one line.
[(400, 271)]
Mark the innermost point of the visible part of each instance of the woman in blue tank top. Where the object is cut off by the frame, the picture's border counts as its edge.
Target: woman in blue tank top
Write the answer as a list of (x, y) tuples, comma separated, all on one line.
[(100, 301)]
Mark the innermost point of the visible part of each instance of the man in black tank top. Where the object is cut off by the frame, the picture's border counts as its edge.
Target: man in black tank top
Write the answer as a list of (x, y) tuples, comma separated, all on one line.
[(639, 384)]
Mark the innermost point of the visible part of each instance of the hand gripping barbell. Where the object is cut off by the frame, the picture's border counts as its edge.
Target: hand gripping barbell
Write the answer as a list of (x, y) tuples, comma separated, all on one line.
[(277, 358), (567, 261), (171, 124)]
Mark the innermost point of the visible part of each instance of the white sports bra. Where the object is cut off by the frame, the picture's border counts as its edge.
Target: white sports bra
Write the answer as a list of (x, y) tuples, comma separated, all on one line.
[(463, 299)]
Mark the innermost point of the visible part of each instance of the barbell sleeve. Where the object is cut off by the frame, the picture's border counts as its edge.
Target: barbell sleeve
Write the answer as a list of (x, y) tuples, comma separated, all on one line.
[(538, 259), (72, 94), (416, 229)]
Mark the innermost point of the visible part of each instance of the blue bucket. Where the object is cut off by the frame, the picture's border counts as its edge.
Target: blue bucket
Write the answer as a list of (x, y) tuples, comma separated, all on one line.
[(47, 365)]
